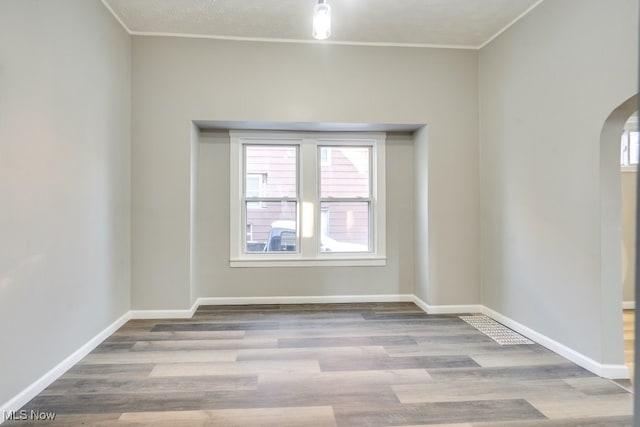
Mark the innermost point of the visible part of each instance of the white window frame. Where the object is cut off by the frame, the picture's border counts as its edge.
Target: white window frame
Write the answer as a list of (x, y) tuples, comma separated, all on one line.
[(308, 212)]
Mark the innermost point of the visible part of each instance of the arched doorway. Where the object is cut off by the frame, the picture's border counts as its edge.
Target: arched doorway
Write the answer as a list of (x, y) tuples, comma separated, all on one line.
[(610, 232), (630, 146)]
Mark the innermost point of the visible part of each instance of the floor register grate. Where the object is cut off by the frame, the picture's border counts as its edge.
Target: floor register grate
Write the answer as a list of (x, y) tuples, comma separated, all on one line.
[(494, 330)]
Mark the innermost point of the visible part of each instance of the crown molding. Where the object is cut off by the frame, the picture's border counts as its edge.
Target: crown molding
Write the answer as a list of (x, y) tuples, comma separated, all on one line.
[(316, 42)]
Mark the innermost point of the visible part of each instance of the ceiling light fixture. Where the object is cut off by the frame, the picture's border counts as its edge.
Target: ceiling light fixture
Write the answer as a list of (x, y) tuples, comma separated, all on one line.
[(321, 20)]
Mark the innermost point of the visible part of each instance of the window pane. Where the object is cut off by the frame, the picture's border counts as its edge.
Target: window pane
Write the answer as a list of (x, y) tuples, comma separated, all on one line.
[(344, 171), (255, 184), (624, 148), (344, 227), (272, 228), (255, 188), (633, 148), (276, 165)]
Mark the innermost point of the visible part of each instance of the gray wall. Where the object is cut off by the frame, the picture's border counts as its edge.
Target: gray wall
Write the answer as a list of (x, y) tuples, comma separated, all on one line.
[(178, 80), (421, 252), (64, 182), (547, 85), (628, 185)]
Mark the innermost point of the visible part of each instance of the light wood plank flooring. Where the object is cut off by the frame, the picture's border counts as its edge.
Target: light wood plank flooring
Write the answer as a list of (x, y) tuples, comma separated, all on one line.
[(629, 317), (385, 364)]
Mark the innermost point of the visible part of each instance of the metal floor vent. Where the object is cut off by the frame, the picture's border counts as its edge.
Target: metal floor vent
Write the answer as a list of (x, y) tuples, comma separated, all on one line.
[(494, 330)]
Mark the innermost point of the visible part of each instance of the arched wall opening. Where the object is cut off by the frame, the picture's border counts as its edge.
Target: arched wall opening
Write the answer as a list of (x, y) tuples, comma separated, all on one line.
[(610, 232)]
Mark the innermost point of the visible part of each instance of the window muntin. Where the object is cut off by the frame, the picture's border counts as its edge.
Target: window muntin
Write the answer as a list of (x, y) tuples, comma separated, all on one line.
[(297, 223)]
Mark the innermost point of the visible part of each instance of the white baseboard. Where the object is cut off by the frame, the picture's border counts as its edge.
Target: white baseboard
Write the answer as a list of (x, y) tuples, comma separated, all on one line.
[(447, 309), (602, 370), (165, 314), (57, 371), (188, 313), (333, 299), (628, 305)]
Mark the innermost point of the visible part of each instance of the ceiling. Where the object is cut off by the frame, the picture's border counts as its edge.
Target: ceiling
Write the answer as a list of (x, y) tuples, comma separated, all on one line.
[(446, 23)]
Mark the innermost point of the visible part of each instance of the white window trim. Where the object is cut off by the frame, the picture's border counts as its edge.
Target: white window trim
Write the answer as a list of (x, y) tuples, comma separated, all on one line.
[(308, 246)]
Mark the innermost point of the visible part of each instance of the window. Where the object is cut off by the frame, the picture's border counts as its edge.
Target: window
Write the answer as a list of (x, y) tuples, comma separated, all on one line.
[(629, 148), (630, 144), (345, 196), (325, 156), (270, 197), (302, 199)]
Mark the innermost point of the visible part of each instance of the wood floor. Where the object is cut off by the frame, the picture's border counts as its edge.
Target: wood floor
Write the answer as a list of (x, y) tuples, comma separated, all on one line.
[(385, 364), (629, 318)]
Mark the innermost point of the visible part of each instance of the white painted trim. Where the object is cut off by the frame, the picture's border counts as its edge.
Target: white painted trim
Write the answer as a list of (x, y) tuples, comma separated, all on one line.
[(510, 24), (188, 313), (423, 305), (57, 371), (613, 372), (161, 314), (310, 262), (602, 370), (165, 314), (333, 299), (301, 41), (628, 305), (447, 309), (313, 41), (115, 15)]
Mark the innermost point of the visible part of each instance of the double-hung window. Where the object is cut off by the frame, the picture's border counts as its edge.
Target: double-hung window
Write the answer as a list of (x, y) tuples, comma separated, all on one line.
[(300, 199)]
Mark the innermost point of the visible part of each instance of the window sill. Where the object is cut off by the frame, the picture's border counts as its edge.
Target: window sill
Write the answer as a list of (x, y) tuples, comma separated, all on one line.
[(633, 168), (315, 262)]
